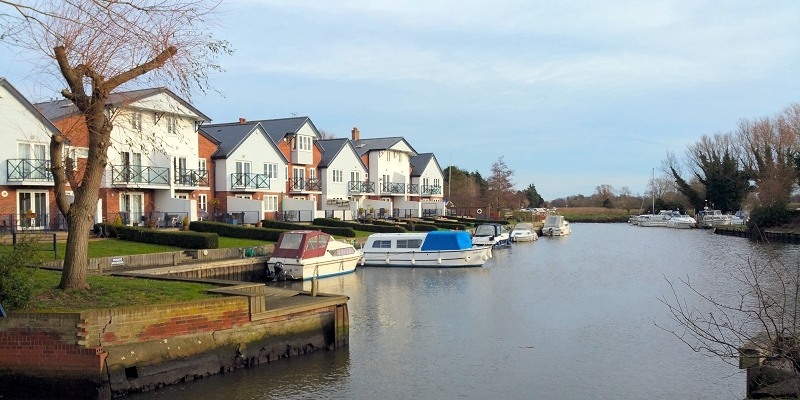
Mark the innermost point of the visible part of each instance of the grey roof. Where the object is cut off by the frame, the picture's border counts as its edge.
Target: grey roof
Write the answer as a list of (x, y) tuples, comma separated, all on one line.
[(58, 109), (366, 145), (231, 135), (28, 105), (420, 162), (333, 147), (278, 128)]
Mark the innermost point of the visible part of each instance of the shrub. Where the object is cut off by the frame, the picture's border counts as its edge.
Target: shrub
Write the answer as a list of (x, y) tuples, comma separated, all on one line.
[(236, 231), (16, 279), (182, 239), (769, 216), (386, 228), (331, 230)]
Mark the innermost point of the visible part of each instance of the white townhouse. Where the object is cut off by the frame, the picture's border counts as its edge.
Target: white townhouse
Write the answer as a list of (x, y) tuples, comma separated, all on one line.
[(425, 191), (343, 178), (250, 172), (26, 184), (388, 162), (155, 171)]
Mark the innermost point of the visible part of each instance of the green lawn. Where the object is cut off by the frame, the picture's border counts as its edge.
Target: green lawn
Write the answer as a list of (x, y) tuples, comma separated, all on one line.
[(108, 291)]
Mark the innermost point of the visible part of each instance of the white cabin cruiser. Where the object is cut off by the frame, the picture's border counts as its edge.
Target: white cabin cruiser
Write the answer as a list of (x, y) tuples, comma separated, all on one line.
[(424, 249), (523, 232), (310, 254), (556, 225), (491, 235)]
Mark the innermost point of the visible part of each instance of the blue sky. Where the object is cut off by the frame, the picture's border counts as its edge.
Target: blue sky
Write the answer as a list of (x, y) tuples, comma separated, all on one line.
[(573, 94)]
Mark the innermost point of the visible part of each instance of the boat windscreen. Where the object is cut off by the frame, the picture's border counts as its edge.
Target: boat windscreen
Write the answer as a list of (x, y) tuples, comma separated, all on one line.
[(291, 241)]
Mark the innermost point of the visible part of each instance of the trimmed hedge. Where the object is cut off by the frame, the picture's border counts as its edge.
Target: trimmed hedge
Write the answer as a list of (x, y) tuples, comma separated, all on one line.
[(392, 228), (182, 239), (236, 231), (331, 230)]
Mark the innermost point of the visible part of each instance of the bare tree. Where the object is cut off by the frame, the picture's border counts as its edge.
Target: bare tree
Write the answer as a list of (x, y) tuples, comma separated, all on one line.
[(97, 47), (500, 191), (323, 134)]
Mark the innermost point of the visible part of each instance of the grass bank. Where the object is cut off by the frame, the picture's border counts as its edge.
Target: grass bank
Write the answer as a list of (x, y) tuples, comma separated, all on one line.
[(594, 214)]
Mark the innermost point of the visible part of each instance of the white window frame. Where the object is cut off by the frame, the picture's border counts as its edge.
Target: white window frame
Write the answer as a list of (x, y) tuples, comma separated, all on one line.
[(337, 176), (202, 202), (271, 170), (270, 203), (172, 125), (136, 121)]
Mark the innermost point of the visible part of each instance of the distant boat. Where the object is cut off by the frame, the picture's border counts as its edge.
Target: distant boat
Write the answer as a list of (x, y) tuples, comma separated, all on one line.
[(523, 232), (556, 225), (424, 249), (707, 218), (309, 254)]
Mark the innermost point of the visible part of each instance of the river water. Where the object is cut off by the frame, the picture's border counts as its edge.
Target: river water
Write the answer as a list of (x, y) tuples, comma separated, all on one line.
[(575, 317)]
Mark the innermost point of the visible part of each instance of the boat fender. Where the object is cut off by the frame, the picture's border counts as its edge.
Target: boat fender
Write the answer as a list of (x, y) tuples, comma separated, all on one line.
[(439, 260), (387, 259), (413, 261)]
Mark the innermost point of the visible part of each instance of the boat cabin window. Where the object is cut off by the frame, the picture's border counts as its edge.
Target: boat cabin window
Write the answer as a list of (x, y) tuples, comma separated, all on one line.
[(342, 252), (382, 244), (409, 243), (485, 230), (291, 241), (317, 242)]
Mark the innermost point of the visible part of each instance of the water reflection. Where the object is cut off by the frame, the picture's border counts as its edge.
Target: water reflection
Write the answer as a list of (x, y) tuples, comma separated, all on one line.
[(561, 318)]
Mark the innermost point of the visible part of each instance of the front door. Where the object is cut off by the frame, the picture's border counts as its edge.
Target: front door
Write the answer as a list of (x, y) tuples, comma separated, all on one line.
[(131, 207)]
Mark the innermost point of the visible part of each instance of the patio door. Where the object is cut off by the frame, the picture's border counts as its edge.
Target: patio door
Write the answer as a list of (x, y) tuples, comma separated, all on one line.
[(131, 207), (132, 166), (34, 160), (32, 209), (299, 178)]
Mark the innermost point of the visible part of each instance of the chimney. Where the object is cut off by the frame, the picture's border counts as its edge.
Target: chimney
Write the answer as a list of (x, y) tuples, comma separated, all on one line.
[(356, 134), (242, 120)]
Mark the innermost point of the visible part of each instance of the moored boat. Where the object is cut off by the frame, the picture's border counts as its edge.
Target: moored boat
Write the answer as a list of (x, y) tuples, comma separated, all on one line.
[(707, 218), (424, 249), (492, 234), (556, 225), (309, 254), (681, 221), (523, 232)]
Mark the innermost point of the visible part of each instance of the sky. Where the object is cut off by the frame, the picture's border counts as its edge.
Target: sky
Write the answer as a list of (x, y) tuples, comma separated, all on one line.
[(570, 95)]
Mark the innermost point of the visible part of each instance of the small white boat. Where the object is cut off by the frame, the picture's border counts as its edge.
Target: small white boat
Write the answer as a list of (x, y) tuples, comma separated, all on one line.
[(424, 249), (523, 232), (712, 218), (680, 221), (309, 254), (491, 235), (556, 225)]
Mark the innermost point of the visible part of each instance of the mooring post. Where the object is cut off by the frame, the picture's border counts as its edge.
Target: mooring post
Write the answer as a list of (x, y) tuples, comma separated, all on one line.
[(314, 286)]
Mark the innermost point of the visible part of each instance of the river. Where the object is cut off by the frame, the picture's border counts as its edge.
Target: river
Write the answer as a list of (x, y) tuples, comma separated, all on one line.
[(575, 317)]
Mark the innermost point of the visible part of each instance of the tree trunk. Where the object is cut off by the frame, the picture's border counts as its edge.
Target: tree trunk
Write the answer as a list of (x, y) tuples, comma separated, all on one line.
[(76, 257)]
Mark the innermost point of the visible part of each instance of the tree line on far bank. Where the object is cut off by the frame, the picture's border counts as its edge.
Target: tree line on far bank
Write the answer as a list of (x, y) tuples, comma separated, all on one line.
[(755, 168)]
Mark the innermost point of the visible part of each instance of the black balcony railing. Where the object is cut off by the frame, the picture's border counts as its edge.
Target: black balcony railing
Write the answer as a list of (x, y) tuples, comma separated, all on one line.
[(393, 188), (139, 175), (305, 185), (431, 189), (28, 169), (358, 187), (249, 181), (191, 177), (413, 188)]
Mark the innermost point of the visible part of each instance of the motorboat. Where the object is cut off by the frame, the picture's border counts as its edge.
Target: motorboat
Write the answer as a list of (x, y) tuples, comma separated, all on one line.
[(523, 232), (424, 249), (633, 219), (681, 221), (650, 220), (707, 218), (492, 234), (304, 255), (740, 218), (556, 225)]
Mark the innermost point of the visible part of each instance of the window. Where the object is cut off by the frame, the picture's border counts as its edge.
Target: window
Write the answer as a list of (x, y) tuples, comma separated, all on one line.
[(303, 143), (242, 175), (271, 203), (202, 201), (271, 170), (172, 125), (436, 183), (382, 244), (337, 175), (201, 164), (409, 243), (136, 121), (355, 176)]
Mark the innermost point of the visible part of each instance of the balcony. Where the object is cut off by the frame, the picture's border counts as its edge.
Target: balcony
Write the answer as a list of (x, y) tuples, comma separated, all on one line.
[(305, 185), (139, 175), (191, 178), (246, 181), (431, 189), (393, 188), (360, 187), (413, 188), (28, 171)]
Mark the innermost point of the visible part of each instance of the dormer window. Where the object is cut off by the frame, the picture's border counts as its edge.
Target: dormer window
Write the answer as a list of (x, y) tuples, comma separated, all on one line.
[(303, 143)]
